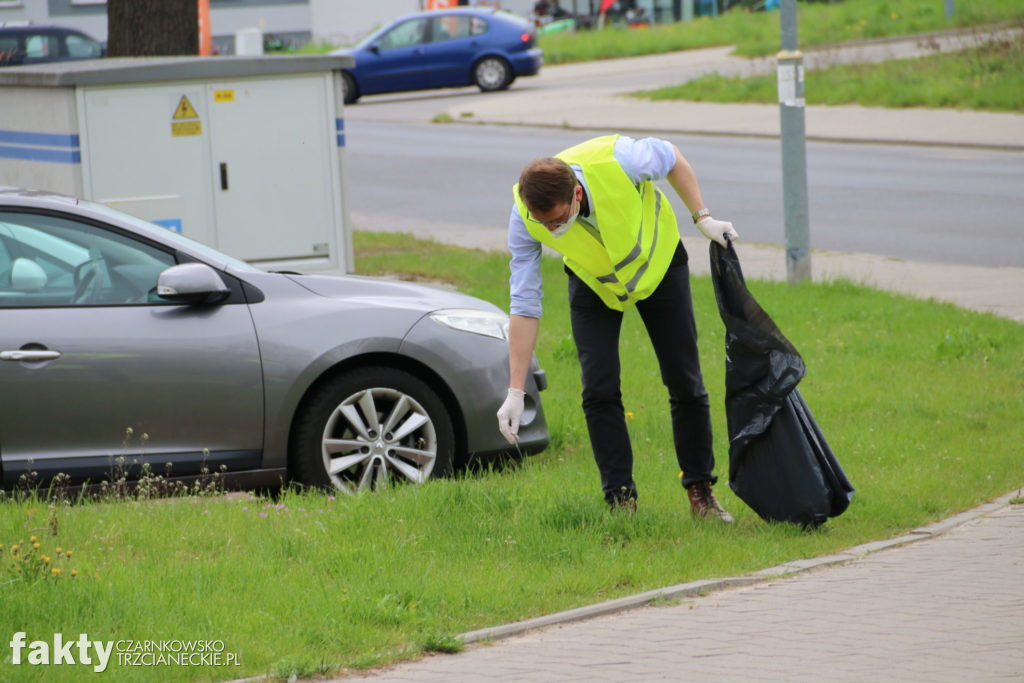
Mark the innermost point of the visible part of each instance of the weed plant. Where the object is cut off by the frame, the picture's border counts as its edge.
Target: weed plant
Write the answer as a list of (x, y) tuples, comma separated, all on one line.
[(757, 33), (921, 402), (990, 77)]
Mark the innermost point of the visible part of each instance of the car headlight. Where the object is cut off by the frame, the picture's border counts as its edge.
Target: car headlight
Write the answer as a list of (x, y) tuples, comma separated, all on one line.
[(487, 323)]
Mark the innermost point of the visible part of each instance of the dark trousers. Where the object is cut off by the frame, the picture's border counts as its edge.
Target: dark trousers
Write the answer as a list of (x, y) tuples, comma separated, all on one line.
[(668, 316)]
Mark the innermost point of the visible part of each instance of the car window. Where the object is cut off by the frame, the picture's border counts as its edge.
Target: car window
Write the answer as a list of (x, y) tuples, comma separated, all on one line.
[(450, 27), (406, 34), (8, 44), (477, 26), (55, 261), (41, 47), (82, 47)]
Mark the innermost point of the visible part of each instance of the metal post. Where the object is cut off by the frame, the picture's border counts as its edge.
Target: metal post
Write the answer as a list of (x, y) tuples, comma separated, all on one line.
[(794, 155), (688, 9), (949, 9)]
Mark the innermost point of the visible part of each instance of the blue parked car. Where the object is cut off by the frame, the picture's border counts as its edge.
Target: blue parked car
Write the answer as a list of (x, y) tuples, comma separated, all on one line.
[(482, 46)]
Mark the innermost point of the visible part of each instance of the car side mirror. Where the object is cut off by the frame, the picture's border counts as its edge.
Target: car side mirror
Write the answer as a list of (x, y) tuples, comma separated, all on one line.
[(374, 48), (27, 275), (191, 283)]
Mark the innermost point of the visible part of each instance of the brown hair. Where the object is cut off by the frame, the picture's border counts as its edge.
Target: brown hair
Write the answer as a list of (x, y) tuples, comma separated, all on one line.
[(546, 182)]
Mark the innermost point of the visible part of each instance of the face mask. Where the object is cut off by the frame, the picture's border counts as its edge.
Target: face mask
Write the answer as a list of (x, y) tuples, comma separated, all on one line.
[(564, 227)]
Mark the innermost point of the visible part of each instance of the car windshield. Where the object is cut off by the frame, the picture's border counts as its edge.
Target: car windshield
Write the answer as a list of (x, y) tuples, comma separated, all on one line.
[(368, 38), (147, 228)]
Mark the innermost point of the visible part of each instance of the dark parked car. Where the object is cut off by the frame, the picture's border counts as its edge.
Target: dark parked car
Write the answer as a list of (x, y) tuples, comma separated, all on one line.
[(485, 47), (34, 44), (119, 338)]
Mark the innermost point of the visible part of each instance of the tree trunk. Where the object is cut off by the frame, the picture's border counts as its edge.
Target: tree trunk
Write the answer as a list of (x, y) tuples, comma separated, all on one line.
[(144, 28)]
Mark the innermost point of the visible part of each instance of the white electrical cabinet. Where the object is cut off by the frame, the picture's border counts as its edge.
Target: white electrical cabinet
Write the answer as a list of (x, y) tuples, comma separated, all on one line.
[(245, 154)]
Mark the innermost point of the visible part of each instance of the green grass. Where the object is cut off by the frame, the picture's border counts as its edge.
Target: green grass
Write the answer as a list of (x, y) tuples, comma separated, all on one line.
[(990, 77), (920, 401), (757, 33)]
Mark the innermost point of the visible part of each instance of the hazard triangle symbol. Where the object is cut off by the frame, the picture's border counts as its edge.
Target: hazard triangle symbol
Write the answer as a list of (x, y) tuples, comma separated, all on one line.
[(185, 110)]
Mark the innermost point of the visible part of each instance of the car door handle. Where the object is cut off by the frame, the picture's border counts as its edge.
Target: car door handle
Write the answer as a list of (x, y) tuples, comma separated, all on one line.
[(31, 355)]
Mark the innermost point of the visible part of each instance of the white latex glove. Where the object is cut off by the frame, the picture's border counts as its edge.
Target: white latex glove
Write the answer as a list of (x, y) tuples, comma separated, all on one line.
[(509, 413), (717, 230)]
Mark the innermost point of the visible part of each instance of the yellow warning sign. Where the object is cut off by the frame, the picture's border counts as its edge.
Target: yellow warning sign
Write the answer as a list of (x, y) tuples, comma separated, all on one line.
[(186, 128), (179, 123), (185, 110), (223, 95)]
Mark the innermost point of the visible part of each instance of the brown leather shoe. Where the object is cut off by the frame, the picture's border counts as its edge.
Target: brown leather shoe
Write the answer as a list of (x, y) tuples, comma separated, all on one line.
[(703, 503)]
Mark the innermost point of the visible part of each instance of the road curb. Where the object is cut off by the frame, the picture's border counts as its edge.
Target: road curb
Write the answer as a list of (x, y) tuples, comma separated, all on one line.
[(1007, 147), (705, 586)]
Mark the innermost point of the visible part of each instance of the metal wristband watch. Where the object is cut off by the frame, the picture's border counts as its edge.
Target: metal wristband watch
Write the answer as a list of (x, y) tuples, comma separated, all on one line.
[(703, 213)]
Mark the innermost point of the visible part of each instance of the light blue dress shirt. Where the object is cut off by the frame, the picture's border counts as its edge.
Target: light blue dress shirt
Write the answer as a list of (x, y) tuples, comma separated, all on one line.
[(644, 159)]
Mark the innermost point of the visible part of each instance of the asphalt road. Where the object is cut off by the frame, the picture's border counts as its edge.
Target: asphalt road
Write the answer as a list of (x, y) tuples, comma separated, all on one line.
[(931, 204)]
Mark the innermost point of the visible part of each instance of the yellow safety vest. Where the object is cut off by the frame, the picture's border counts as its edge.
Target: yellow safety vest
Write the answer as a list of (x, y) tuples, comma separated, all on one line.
[(623, 260)]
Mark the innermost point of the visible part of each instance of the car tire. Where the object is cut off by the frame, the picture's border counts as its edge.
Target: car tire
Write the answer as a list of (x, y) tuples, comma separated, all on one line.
[(369, 427), (350, 91), (491, 74)]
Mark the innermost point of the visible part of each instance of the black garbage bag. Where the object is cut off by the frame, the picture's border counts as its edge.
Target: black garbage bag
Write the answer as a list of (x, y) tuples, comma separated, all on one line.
[(779, 462)]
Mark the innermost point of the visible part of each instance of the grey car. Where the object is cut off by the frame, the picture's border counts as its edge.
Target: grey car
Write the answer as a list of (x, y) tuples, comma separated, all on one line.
[(121, 339)]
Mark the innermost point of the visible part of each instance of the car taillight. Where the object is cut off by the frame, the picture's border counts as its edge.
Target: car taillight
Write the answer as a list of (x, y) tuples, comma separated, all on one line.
[(525, 37)]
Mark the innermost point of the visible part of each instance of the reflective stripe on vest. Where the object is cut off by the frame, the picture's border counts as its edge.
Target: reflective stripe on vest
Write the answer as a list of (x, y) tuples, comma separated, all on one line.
[(614, 262)]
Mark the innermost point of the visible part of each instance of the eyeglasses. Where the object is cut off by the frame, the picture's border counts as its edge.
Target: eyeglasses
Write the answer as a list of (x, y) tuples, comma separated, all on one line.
[(551, 225)]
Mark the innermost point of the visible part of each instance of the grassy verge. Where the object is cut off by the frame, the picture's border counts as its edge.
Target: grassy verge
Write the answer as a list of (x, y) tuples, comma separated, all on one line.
[(920, 401), (990, 77), (757, 33)]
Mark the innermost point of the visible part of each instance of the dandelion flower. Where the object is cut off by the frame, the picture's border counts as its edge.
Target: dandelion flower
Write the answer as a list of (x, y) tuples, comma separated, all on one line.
[(68, 553), (33, 539), (55, 571), (74, 572), (45, 559), (36, 546), (59, 550), (629, 415)]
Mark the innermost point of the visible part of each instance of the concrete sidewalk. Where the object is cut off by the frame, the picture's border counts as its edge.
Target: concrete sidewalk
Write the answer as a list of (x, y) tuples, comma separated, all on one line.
[(949, 608), (581, 105)]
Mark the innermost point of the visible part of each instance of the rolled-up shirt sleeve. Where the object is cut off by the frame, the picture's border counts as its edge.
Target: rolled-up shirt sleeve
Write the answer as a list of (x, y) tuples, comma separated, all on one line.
[(646, 158), (525, 285)]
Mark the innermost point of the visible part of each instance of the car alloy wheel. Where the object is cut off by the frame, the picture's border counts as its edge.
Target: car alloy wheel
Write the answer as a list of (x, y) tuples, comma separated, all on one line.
[(492, 73), (373, 427)]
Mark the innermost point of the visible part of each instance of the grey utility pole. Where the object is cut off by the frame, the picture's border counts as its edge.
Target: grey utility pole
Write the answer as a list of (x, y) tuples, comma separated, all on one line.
[(794, 154)]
